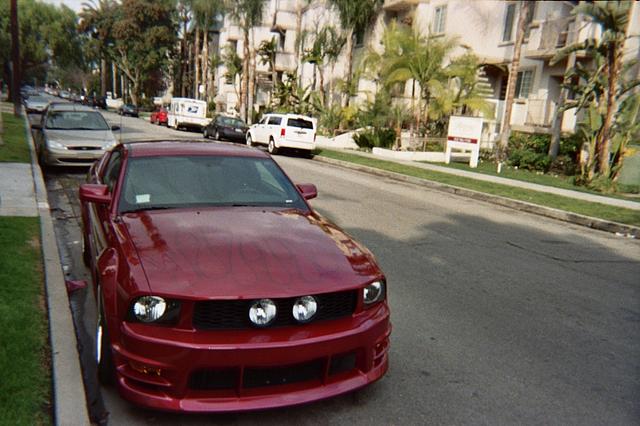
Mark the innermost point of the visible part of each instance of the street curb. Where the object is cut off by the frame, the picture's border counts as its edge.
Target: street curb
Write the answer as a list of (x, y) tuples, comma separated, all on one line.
[(68, 386), (578, 219)]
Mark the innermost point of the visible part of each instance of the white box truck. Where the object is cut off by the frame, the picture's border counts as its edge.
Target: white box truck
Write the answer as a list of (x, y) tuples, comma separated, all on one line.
[(187, 113)]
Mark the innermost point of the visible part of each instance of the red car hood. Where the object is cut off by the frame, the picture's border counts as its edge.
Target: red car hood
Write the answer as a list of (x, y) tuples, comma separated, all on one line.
[(237, 253)]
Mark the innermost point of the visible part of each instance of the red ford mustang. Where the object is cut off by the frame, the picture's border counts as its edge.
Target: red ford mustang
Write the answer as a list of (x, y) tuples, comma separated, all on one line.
[(219, 288)]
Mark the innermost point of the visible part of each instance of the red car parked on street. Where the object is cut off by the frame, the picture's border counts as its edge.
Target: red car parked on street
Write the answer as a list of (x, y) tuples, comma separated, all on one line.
[(219, 288), (159, 116)]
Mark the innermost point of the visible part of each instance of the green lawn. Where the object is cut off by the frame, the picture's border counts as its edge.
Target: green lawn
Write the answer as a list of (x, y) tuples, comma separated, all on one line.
[(559, 181), (25, 387), (602, 211), (15, 148)]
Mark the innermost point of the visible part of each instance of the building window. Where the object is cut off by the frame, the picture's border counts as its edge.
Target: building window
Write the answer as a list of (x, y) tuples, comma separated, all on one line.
[(439, 19), (524, 83), (507, 34)]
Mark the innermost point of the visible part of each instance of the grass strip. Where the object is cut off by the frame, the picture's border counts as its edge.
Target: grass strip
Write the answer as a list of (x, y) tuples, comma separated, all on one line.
[(597, 210), (25, 388), (556, 181), (15, 148)]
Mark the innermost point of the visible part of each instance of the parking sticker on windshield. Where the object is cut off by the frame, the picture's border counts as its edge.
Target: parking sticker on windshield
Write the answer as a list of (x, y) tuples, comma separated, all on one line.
[(143, 198)]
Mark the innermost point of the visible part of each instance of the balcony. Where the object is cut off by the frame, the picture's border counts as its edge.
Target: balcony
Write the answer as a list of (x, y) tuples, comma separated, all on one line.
[(283, 20), (548, 37), (285, 61), (399, 5)]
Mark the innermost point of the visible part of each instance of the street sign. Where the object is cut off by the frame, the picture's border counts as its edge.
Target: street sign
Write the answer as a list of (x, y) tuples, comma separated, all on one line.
[(463, 135)]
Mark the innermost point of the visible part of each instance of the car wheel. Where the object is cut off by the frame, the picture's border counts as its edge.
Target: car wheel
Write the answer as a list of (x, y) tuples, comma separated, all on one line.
[(307, 154), (104, 355), (217, 136), (205, 133), (249, 141), (273, 150)]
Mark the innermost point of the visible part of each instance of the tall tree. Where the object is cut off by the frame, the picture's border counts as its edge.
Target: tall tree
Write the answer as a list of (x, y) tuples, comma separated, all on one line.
[(355, 17), (97, 19), (204, 14), (325, 49), (15, 58), (525, 7), (144, 34), (267, 52), (604, 87), (247, 14)]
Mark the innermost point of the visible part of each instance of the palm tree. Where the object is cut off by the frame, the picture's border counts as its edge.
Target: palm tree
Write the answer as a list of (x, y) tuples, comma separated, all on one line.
[(15, 57), (97, 19), (247, 14), (525, 6), (410, 56), (606, 85), (267, 52), (204, 13), (355, 17), (234, 65), (325, 49)]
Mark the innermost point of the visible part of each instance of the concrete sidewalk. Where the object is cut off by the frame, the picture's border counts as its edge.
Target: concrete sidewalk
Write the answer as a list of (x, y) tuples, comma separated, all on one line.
[(23, 193), (593, 198)]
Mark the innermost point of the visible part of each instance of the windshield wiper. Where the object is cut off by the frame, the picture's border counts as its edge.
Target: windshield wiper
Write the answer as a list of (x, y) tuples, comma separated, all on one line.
[(149, 208)]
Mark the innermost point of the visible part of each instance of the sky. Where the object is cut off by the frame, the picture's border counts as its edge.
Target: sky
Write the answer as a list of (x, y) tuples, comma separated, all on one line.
[(72, 4)]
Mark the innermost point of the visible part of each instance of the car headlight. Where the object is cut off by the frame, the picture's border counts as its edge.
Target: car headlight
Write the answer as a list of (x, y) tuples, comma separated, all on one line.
[(55, 144), (155, 309), (304, 308), (110, 144), (373, 293), (262, 312)]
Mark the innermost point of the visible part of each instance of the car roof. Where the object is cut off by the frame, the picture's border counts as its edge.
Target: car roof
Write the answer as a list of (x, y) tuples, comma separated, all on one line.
[(171, 148), (68, 106)]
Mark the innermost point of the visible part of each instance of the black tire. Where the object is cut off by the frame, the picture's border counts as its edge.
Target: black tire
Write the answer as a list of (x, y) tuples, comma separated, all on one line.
[(249, 141), (205, 133), (273, 150), (105, 366)]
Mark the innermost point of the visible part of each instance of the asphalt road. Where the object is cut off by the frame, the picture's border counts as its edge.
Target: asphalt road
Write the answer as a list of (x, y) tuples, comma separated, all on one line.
[(499, 317)]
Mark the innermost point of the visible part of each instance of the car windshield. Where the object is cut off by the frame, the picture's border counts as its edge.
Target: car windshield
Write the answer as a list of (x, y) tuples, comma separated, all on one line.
[(76, 120), (192, 181), (300, 123), (39, 99), (232, 122)]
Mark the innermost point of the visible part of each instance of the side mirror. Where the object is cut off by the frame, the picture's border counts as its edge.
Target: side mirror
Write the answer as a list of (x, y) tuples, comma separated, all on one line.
[(93, 193), (308, 190), (114, 128), (36, 126)]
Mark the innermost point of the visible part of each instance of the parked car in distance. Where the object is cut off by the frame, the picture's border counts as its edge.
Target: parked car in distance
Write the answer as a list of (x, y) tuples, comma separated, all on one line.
[(223, 127), (219, 288), (36, 103), (284, 131), (159, 116), (72, 135), (128, 109)]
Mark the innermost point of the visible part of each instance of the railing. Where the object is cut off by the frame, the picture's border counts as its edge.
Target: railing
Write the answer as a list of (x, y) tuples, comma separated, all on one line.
[(540, 112)]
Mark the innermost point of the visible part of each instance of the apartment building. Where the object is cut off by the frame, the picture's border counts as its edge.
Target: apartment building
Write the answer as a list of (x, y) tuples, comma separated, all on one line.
[(486, 27)]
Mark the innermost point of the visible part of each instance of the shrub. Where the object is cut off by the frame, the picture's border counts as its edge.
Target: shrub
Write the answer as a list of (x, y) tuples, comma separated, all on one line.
[(381, 138), (529, 151)]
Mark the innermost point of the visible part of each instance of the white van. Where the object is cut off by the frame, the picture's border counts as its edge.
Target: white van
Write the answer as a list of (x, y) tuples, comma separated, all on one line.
[(186, 112)]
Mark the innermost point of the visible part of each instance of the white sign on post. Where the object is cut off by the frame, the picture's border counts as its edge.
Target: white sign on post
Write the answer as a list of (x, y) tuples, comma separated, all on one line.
[(464, 135)]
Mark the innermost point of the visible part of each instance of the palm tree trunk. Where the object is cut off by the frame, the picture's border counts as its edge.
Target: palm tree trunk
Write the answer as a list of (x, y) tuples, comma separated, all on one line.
[(196, 63), (322, 94), (244, 87), (205, 62), (511, 83), (348, 77), (103, 75), (252, 88)]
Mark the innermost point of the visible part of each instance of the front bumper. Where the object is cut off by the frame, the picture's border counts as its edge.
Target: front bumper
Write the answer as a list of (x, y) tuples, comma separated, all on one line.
[(71, 158), (221, 371)]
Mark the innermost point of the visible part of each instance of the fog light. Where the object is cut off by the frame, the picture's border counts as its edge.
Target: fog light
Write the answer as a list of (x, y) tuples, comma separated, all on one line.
[(305, 308), (262, 312)]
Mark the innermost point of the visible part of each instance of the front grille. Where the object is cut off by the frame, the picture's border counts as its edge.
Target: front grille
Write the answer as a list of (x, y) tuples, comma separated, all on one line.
[(234, 314), (84, 148), (257, 377)]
